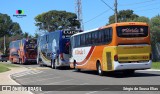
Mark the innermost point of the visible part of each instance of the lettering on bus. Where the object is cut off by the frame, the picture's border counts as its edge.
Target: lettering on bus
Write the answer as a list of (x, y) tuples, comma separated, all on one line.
[(68, 33), (132, 31), (79, 52)]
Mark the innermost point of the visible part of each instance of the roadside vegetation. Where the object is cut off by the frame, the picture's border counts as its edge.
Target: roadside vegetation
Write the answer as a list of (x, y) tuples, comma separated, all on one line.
[(156, 65), (6, 67)]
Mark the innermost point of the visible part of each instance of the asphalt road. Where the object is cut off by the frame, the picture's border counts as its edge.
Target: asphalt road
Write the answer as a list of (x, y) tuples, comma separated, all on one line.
[(47, 76)]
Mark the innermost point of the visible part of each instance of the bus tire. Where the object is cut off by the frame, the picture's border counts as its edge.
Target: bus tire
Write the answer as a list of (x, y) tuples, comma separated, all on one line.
[(74, 64), (53, 64), (20, 61), (40, 62), (99, 69)]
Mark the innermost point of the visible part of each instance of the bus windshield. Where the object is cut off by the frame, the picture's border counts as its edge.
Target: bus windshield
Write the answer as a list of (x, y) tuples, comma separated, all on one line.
[(132, 31), (31, 44)]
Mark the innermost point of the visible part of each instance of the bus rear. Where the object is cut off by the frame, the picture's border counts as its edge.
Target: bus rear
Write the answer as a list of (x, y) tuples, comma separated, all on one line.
[(133, 49), (31, 50), (64, 54)]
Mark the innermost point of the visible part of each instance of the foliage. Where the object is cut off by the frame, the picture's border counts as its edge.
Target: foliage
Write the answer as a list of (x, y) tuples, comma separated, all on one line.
[(155, 35), (123, 16), (54, 20), (7, 27), (156, 65)]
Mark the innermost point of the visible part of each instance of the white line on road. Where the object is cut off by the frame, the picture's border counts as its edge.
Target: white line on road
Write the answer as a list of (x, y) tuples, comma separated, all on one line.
[(26, 73), (40, 80), (35, 77)]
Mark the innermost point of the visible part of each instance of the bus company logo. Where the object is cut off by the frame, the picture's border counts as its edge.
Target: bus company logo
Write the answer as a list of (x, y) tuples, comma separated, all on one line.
[(19, 14)]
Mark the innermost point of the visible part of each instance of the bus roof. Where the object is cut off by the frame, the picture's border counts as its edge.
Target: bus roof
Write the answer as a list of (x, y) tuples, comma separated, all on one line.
[(114, 24)]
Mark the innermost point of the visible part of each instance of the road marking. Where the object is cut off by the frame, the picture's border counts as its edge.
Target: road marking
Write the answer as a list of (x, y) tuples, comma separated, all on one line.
[(35, 76), (39, 68), (41, 80), (60, 81), (30, 72), (149, 70)]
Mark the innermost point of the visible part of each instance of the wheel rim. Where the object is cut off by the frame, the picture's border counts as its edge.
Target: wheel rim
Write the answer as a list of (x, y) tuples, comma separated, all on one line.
[(99, 69)]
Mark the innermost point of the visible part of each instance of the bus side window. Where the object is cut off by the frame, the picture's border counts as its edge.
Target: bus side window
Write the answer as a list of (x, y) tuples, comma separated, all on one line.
[(99, 36), (77, 41), (110, 34), (93, 38), (86, 39), (89, 38), (102, 35)]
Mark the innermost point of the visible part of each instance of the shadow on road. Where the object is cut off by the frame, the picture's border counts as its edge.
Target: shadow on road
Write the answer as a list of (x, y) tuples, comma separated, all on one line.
[(122, 75)]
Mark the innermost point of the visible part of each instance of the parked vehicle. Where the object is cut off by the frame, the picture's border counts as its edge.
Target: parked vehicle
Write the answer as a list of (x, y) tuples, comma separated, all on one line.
[(3, 58), (53, 48), (117, 47)]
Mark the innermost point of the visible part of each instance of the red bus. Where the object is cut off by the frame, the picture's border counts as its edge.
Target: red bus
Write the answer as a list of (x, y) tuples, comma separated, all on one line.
[(13, 51), (23, 51), (28, 51)]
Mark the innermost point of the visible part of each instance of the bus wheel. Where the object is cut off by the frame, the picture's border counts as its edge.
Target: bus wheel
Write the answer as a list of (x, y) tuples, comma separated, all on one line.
[(99, 69), (53, 64), (74, 64), (20, 61), (40, 62)]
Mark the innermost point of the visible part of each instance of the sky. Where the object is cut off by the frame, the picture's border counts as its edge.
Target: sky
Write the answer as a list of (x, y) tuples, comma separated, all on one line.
[(94, 12)]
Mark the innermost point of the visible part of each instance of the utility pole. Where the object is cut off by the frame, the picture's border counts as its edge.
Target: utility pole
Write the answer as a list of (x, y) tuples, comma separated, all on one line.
[(78, 10), (4, 44), (115, 14)]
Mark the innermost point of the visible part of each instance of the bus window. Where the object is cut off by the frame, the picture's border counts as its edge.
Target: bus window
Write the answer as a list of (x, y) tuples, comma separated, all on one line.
[(87, 39), (82, 40), (132, 31), (66, 45)]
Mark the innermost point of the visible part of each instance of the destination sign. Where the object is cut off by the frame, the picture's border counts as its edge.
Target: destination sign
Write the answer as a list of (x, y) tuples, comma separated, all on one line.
[(69, 33), (132, 31)]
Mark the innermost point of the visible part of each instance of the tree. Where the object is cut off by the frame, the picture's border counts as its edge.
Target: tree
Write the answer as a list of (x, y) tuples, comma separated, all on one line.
[(7, 27), (35, 35), (155, 35), (54, 20), (123, 16), (25, 35), (140, 19)]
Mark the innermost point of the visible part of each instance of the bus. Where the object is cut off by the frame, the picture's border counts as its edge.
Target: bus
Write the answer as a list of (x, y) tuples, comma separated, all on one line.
[(28, 51), (14, 51), (53, 48), (121, 46)]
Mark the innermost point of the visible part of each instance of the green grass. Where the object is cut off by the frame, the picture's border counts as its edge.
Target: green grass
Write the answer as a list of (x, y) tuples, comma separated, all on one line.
[(155, 65), (5, 67)]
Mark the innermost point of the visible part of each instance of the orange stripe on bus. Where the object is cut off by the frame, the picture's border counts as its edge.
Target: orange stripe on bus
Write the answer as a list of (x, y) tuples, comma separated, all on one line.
[(87, 57)]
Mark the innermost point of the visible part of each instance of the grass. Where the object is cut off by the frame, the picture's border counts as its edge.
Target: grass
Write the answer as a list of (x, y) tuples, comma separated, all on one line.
[(155, 65), (5, 67)]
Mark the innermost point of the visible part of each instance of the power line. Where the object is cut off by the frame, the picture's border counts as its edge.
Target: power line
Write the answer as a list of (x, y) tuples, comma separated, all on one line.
[(97, 16), (107, 5), (136, 3), (148, 9), (115, 10), (146, 5)]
